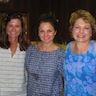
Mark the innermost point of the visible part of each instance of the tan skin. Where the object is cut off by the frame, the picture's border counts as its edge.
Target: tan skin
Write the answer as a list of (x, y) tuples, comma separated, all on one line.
[(46, 33), (13, 29), (82, 33)]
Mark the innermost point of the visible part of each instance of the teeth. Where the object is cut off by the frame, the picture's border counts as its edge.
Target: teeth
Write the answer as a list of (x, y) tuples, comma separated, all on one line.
[(13, 33), (81, 36)]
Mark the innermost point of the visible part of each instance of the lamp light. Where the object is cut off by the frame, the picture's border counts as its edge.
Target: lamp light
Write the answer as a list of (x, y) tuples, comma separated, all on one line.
[(4, 1)]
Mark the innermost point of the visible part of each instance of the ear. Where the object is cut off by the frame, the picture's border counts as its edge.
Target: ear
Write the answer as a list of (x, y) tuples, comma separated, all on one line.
[(55, 32)]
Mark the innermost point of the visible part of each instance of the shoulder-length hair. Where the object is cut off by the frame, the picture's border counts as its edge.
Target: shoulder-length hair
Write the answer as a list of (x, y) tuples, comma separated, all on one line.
[(22, 39)]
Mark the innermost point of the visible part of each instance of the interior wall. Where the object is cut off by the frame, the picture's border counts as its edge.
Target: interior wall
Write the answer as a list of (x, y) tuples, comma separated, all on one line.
[(62, 9)]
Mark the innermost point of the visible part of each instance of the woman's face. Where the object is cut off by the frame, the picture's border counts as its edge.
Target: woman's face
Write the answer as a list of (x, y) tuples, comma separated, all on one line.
[(81, 31), (46, 32), (14, 28)]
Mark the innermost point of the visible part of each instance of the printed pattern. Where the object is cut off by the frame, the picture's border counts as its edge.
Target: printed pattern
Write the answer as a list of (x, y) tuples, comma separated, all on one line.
[(45, 72), (80, 72)]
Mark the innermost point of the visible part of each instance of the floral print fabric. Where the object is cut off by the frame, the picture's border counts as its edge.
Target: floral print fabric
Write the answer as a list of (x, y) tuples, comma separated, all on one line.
[(80, 72)]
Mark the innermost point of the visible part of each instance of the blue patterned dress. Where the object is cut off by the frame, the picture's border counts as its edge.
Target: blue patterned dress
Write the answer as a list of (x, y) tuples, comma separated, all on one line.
[(80, 72), (44, 72)]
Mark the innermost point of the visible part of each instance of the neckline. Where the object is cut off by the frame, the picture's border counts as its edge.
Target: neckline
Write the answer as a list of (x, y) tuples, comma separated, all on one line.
[(46, 51), (91, 42)]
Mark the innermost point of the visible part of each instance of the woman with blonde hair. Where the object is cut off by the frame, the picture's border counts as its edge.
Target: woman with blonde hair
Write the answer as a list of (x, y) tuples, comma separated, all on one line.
[(80, 56)]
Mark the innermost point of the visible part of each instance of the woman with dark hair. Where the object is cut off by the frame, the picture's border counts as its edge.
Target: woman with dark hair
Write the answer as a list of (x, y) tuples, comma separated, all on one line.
[(44, 60), (13, 45), (21, 37)]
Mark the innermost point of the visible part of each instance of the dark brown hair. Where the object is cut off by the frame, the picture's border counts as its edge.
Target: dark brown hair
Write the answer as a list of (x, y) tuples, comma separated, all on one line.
[(47, 17), (22, 39)]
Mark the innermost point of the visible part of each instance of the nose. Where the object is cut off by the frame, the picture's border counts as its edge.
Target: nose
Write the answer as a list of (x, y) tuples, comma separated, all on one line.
[(45, 33), (13, 29), (81, 30)]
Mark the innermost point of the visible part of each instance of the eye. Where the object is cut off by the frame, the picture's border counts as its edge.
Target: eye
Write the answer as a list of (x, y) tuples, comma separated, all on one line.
[(87, 28), (49, 30), (76, 27), (41, 31), (17, 26), (10, 25)]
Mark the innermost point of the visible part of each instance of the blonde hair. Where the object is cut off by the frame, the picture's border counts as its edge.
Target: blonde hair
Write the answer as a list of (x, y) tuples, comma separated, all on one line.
[(86, 16)]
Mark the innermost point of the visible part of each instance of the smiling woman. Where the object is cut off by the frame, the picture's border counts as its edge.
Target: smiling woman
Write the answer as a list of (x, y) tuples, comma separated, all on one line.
[(44, 60), (13, 46), (25, 17), (80, 56)]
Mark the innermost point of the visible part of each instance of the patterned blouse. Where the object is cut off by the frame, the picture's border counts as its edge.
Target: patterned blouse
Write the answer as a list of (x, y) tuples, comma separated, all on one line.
[(44, 72), (80, 72)]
